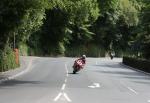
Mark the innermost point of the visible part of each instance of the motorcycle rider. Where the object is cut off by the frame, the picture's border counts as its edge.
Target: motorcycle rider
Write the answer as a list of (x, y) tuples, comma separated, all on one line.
[(79, 64), (112, 54), (83, 59)]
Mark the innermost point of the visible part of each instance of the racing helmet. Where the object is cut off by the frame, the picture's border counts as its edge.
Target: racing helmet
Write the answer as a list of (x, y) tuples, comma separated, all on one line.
[(84, 56)]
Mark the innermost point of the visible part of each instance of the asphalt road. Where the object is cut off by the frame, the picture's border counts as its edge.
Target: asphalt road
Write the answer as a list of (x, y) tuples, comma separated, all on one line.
[(50, 80)]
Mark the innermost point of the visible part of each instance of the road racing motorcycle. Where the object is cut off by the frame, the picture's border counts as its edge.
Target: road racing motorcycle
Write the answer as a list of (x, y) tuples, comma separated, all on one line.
[(77, 66)]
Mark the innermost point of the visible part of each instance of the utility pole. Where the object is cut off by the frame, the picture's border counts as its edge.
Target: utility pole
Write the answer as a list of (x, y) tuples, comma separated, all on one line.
[(14, 40)]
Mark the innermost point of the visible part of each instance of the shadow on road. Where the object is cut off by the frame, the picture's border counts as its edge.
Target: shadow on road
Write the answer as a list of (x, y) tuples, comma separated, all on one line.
[(73, 74), (16, 82), (143, 82)]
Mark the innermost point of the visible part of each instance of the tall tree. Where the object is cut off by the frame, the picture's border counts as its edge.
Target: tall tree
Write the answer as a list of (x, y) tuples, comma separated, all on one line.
[(69, 19), (19, 18), (113, 26)]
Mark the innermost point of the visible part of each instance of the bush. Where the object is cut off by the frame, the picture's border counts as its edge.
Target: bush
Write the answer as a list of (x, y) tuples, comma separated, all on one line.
[(140, 64), (90, 51), (7, 59), (75, 51), (24, 49)]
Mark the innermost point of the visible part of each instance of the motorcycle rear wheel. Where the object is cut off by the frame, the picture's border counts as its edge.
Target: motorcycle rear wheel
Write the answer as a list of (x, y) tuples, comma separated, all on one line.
[(74, 72)]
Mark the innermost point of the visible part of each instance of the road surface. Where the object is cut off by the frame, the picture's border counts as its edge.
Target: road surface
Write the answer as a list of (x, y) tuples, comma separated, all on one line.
[(50, 80)]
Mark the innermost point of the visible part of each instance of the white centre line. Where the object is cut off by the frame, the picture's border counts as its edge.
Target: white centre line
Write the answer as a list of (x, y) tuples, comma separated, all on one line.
[(63, 87), (66, 80), (57, 97), (66, 70), (132, 90), (96, 63)]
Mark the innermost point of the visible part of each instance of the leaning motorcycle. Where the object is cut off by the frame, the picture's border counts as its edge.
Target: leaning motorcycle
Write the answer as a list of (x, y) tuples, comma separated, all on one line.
[(78, 65)]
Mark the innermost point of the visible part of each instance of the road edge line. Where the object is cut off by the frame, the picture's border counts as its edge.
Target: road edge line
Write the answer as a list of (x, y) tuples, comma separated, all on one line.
[(20, 73)]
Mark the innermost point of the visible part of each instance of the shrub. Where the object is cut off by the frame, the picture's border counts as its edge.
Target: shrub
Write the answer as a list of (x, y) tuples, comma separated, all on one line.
[(140, 64), (24, 49), (7, 59), (90, 51)]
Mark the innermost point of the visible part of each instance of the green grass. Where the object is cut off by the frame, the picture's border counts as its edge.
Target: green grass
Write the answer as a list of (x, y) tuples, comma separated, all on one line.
[(7, 60)]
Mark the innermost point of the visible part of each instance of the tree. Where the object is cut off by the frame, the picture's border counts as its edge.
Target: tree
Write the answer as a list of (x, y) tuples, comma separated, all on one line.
[(68, 21), (145, 32), (113, 27), (18, 19)]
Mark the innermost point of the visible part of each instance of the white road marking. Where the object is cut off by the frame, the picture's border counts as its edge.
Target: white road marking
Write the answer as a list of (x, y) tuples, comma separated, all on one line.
[(63, 87), (66, 80), (148, 101), (96, 63), (67, 75), (57, 97), (95, 85), (66, 96), (91, 86), (66, 70), (26, 70), (132, 90)]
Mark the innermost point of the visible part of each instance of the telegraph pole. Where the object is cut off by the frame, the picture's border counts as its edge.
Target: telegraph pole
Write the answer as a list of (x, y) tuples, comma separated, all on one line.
[(14, 40)]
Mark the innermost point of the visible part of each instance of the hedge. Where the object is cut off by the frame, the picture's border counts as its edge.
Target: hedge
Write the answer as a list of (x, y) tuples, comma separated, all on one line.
[(8, 59), (140, 64)]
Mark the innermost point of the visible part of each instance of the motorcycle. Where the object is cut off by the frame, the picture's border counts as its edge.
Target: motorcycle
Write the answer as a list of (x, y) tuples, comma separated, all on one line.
[(78, 65)]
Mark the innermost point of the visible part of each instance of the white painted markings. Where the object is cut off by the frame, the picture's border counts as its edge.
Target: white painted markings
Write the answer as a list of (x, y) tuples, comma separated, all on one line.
[(132, 90), (95, 85), (57, 97), (67, 75), (26, 70), (129, 88), (96, 63), (66, 70), (66, 80), (63, 87), (62, 95), (66, 96), (19, 74)]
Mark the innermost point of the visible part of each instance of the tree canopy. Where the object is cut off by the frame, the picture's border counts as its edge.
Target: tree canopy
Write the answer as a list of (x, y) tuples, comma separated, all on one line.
[(53, 26)]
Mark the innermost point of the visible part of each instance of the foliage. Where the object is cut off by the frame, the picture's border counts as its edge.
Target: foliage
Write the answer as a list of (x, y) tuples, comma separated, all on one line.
[(18, 19), (67, 22), (137, 63), (141, 40), (57, 27), (7, 59), (146, 29), (91, 50), (114, 27)]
